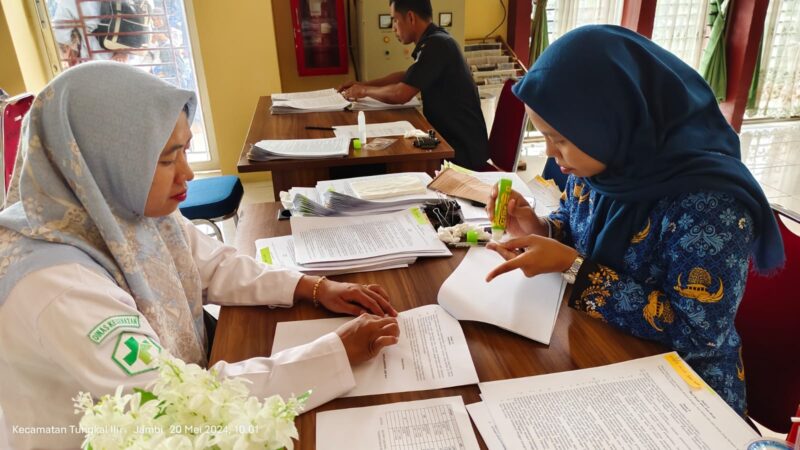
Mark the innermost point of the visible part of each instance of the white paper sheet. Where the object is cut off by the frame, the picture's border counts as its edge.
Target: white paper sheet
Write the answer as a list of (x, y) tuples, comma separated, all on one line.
[(300, 148), (331, 239), (279, 252), (433, 424), (374, 129), (485, 425), (644, 403), (526, 306), (370, 104), (432, 352), (343, 186), (284, 96)]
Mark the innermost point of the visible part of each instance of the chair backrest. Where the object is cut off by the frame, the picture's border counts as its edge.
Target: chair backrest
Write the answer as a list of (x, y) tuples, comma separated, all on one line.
[(505, 140), (768, 321), (12, 111)]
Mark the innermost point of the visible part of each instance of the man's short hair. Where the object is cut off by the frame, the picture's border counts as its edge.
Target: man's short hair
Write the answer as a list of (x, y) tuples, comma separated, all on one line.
[(422, 8)]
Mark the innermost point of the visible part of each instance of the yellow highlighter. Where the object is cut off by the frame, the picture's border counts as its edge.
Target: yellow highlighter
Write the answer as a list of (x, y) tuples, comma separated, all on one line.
[(501, 208)]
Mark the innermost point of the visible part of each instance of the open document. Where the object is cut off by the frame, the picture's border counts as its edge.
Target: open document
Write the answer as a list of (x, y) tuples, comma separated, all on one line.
[(278, 252), (313, 101), (433, 424), (299, 149), (375, 129), (526, 306), (657, 402), (370, 104), (432, 352), (327, 241), (483, 422)]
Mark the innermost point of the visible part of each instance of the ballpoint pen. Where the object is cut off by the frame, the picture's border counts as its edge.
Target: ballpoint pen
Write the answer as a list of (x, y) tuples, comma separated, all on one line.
[(321, 128)]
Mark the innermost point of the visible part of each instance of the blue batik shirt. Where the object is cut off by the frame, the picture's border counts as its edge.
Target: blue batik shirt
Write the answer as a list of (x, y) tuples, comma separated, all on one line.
[(682, 278)]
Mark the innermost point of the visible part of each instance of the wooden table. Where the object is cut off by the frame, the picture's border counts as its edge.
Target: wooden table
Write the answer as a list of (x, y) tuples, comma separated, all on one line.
[(578, 341), (401, 156)]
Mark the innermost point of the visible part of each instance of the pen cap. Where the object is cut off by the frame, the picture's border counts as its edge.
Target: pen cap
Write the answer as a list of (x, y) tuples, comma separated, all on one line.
[(362, 127)]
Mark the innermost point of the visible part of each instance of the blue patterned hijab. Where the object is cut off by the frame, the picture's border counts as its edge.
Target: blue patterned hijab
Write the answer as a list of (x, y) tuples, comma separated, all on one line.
[(656, 125), (87, 158)]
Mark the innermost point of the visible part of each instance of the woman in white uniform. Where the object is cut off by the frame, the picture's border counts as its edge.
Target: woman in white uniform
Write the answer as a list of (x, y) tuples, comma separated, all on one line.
[(98, 270)]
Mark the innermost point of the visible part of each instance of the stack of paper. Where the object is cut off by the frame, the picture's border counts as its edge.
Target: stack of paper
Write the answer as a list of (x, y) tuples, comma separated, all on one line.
[(526, 306), (340, 197), (334, 242), (279, 252), (313, 101), (299, 149), (656, 402), (370, 104)]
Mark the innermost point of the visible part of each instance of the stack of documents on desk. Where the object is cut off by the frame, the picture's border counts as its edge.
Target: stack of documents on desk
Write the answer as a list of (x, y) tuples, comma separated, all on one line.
[(299, 149), (336, 242), (399, 128), (370, 104), (278, 252), (303, 102), (359, 196), (327, 100), (657, 402), (512, 301)]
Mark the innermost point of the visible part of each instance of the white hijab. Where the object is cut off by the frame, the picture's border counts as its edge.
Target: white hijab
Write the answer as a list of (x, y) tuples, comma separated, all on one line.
[(88, 155)]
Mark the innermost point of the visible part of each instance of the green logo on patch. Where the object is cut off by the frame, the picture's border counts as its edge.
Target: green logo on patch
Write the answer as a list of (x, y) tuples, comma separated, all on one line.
[(109, 324), (135, 353)]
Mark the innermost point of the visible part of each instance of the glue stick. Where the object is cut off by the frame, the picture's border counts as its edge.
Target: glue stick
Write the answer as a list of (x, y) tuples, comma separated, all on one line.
[(501, 208)]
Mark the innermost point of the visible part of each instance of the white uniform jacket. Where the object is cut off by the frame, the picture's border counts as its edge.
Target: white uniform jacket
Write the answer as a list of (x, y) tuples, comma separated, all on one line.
[(63, 330)]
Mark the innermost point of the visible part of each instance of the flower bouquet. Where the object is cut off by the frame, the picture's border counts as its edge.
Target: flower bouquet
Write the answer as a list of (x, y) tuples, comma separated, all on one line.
[(188, 407)]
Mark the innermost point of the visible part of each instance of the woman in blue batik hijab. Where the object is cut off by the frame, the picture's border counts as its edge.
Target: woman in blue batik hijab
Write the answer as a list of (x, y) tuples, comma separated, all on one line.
[(659, 217), (99, 271)]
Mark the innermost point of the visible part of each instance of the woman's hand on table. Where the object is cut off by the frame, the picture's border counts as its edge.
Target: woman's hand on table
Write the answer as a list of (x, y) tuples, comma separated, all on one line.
[(366, 335), (354, 299)]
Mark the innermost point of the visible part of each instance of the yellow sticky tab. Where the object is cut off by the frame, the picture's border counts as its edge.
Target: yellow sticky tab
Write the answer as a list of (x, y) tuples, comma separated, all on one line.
[(266, 256), (680, 367), (421, 219)]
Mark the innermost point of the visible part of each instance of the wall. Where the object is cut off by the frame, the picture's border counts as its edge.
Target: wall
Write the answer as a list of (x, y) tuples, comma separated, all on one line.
[(23, 31), (481, 17), (10, 76), (240, 63)]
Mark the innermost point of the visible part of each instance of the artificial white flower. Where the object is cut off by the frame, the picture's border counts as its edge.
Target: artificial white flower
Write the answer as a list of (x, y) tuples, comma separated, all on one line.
[(188, 407)]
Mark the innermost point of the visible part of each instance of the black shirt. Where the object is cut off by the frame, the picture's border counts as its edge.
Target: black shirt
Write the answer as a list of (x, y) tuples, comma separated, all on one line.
[(449, 96)]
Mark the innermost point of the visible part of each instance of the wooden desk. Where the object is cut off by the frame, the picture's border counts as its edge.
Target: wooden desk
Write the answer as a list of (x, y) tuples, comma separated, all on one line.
[(401, 156), (578, 341)]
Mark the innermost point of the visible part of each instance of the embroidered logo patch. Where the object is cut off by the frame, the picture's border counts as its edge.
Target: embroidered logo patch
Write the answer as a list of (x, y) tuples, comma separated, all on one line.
[(135, 353), (109, 324)]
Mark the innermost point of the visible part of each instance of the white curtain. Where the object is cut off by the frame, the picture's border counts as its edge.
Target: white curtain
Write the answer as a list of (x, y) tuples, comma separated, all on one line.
[(779, 82), (564, 15), (681, 27)]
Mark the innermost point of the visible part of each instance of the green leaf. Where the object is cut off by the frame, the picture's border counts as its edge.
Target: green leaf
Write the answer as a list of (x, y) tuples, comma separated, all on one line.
[(146, 395)]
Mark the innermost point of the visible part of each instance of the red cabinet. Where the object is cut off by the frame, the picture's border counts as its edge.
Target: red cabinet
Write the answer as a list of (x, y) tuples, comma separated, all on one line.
[(320, 36)]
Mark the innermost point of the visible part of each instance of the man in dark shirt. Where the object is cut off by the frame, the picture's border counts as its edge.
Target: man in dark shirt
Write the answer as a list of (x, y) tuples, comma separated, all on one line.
[(449, 95)]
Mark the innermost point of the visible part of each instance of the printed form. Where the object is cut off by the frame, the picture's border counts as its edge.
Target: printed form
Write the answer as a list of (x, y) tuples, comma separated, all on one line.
[(657, 402), (434, 424), (432, 352)]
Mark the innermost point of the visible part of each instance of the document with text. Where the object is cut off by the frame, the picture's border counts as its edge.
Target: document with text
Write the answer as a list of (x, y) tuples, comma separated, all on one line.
[(485, 425), (331, 239), (657, 402), (433, 424), (526, 306), (432, 352), (374, 129)]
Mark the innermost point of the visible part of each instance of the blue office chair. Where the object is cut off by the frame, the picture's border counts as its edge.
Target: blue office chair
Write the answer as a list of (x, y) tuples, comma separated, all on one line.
[(552, 172), (214, 199)]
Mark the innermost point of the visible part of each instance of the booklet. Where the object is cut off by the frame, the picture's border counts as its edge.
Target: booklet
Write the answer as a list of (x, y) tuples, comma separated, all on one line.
[(512, 301)]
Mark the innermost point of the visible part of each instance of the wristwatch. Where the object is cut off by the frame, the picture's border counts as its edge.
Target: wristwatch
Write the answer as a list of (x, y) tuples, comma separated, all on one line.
[(572, 272)]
